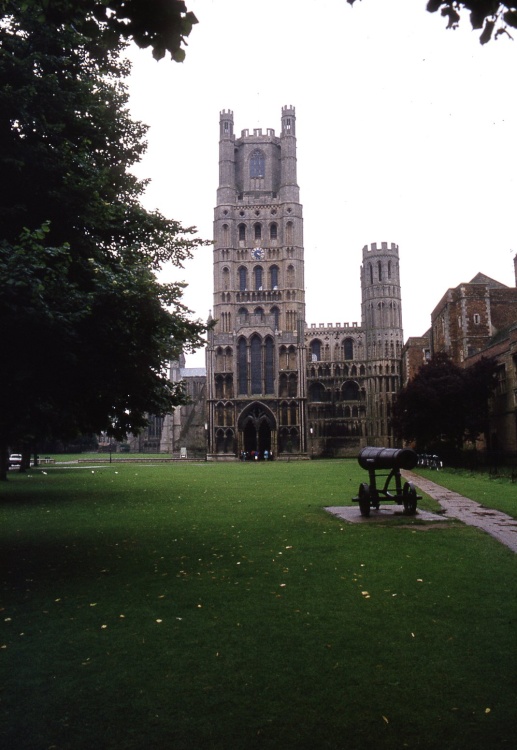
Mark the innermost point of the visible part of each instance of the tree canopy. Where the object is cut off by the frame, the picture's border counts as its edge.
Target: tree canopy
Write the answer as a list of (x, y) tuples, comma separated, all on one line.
[(493, 17), (87, 327), (444, 404), (163, 25)]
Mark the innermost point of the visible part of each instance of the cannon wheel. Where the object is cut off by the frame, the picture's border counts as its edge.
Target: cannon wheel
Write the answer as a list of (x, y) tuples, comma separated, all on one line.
[(364, 499), (409, 498)]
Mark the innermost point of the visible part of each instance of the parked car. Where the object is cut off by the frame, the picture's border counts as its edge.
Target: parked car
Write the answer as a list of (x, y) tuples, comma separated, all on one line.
[(15, 459)]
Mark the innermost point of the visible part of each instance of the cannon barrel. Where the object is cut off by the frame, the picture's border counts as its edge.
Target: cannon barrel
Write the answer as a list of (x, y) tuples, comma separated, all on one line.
[(387, 458)]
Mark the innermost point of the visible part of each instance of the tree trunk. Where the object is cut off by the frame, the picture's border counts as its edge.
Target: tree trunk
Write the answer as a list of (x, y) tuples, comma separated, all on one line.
[(4, 462)]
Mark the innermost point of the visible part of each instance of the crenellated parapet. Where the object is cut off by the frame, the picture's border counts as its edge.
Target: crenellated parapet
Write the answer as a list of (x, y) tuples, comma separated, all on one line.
[(383, 248)]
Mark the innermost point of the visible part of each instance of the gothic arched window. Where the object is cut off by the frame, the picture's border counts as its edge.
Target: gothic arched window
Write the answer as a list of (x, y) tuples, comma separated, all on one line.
[(276, 312), (257, 273), (273, 277), (226, 278), (269, 365), (289, 233), (273, 231), (257, 164), (350, 391), (243, 279), (256, 364), (242, 379), (242, 231), (348, 349), (258, 231), (317, 392), (290, 276), (315, 350)]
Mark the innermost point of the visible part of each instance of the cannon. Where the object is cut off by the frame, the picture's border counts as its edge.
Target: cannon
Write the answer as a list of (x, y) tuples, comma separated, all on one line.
[(391, 460)]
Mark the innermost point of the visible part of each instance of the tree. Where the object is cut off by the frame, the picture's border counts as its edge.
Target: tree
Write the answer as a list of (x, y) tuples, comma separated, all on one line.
[(444, 404), (87, 327), (488, 15), (162, 25)]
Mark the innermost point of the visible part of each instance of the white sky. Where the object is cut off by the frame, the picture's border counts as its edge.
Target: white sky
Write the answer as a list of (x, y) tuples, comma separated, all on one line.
[(406, 133)]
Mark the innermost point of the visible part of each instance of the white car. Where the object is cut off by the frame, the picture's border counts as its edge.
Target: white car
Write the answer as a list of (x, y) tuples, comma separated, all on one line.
[(15, 459)]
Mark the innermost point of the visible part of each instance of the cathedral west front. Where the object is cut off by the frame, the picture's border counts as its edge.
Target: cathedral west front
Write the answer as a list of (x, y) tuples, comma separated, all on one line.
[(273, 383)]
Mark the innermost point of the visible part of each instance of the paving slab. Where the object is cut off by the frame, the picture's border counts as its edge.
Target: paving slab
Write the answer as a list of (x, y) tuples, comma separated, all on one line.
[(352, 514), (499, 525)]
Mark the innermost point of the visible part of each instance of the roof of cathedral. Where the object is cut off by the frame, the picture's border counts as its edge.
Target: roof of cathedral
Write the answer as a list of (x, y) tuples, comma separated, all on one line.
[(192, 372), (480, 278)]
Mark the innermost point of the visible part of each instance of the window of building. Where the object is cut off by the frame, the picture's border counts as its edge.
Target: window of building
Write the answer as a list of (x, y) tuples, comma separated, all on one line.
[(500, 380), (226, 278), (258, 231), (317, 392), (477, 319), (273, 277), (243, 279), (290, 277), (315, 350), (273, 231), (257, 164), (350, 391), (257, 273), (289, 233), (242, 374), (269, 366), (256, 364), (242, 232), (348, 349), (276, 312), (226, 235)]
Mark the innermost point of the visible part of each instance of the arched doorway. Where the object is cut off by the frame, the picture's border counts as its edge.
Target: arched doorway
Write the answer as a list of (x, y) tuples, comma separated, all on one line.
[(257, 428)]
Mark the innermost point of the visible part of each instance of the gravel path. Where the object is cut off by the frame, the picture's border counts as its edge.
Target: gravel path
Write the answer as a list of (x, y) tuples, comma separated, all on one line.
[(497, 524)]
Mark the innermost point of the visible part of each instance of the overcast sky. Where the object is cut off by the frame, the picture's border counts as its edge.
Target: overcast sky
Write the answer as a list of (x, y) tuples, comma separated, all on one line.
[(406, 133)]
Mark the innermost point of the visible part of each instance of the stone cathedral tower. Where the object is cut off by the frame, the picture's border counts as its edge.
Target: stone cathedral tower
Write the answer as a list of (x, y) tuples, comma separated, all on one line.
[(256, 362), (381, 310)]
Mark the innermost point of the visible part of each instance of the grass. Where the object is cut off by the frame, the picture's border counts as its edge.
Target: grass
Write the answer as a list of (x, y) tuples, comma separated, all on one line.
[(219, 606), (497, 492)]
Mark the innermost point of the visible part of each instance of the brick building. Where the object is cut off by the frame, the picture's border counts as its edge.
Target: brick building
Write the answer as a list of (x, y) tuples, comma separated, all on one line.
[(473, 320)]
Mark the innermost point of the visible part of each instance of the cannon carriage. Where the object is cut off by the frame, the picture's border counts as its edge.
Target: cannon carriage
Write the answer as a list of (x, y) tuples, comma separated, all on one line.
[(391, 460)]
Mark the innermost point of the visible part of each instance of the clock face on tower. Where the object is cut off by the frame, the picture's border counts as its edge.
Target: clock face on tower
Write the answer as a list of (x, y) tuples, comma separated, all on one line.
[(258, 253)]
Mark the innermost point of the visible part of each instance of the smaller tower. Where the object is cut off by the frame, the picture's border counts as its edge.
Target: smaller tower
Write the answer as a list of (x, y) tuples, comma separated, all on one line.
[(382, 321), (289, 190), (226, 191)]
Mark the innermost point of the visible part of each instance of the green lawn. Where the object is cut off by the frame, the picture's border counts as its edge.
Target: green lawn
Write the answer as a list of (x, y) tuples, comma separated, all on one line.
[(220, 607)]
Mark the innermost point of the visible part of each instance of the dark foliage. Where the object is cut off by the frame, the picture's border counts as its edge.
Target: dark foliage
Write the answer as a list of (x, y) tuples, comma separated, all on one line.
[(87, 329), (444, 404), (493, 17)]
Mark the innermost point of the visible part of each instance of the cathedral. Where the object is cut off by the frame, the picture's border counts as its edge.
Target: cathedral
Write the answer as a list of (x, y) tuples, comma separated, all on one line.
[(275, 386)]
